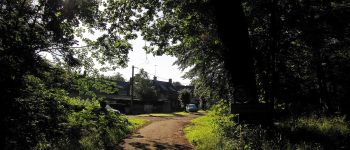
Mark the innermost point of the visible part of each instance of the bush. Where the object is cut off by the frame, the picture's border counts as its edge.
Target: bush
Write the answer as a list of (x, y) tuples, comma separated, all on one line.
[(328, 126), (184, 97), (218, 130), (208, 132), (47, 117), (95, 128), (330, 132)]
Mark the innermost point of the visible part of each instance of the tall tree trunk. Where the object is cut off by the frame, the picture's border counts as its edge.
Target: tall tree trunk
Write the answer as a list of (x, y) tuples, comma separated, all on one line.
[(238, 55), (320, 74), (315, 38), (274, 28)]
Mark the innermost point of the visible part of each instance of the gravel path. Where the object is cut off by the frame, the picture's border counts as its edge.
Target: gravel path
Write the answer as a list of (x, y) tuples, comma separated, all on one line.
[(163, 133)]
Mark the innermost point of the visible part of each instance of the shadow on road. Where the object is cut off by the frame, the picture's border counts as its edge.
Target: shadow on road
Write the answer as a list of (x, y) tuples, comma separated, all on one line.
[(158, 146)]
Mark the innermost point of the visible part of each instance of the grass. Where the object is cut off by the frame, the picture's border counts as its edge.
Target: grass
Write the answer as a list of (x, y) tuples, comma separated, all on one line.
[(328, 126), (202, 111), (321, 125), (217, 130), (202, 133), (329, 131), (156, 115), (206, 132), (136, 123), (181, 113)]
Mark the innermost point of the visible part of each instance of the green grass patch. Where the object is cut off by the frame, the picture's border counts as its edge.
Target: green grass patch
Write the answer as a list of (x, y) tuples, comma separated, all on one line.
[(202, 133), (182, 113), (156, 115), (136, 123), (202, 111), (328, 126), (209, 131)]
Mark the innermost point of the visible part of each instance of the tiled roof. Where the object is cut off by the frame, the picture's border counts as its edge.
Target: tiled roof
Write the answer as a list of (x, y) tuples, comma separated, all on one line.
[(164, 86), (122, 84)]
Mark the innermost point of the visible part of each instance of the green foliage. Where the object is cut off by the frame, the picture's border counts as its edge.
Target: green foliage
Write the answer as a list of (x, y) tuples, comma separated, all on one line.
[(221, 108), (183, 29), (136, 123), (302, 59), (296, 43), (217, 130), (181, 113), (48, 117), (94, 127), (117, 77), (35, 96), (156, 115), (334, 127), (144, 88), (45, 111), (301, 47), (184, 97), (328, 126), (209, 132), (202, 133)]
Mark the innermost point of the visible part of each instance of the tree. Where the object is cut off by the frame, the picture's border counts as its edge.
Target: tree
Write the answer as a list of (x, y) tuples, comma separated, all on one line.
[(144, 88), (176, 84), (295, 43), (184, 97), (272, 42), (200, 30), (117, 77), (30, 29)]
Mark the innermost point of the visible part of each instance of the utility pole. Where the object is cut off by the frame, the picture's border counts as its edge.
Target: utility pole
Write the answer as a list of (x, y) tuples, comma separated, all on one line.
[(132, 88), (155, 70)]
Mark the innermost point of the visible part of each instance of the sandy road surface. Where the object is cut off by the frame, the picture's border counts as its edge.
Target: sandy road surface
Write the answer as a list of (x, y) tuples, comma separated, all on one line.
[(163, 133)]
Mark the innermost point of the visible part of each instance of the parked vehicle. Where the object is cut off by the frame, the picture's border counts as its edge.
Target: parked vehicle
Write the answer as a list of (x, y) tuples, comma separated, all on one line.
[(112, 109), (191, 108)]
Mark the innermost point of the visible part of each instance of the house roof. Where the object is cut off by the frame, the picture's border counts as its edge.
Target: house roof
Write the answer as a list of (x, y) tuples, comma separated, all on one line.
[(179, 88), (159, 85), (164, 86), (122, 84)]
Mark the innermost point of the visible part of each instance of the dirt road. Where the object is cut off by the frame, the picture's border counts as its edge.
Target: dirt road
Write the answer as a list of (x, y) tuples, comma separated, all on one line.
[(163, 133)]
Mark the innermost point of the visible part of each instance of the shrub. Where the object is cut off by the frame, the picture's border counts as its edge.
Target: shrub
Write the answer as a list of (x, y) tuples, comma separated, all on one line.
[(96, 128), (208, 132), (218, 130), (184, 97), (329, 126), (47, 117)]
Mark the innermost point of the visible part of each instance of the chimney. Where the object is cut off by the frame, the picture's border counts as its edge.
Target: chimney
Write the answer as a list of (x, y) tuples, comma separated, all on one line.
[(170, 81)]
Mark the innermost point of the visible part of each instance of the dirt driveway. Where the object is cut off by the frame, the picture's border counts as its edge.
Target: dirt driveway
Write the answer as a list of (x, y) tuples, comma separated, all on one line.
[(163, 133)]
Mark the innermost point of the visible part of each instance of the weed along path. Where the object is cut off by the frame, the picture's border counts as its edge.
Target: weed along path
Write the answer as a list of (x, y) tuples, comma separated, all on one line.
[(162, 133)]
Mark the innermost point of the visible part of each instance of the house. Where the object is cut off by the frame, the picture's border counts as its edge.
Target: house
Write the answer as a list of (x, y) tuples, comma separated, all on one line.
[(166, 102), (167, 95)]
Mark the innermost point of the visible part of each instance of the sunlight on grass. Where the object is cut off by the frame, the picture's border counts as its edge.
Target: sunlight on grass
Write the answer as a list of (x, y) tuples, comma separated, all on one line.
[(182, 113), (202, 111), (324, 125), (202, 133), (136, 123), (156, 115)]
